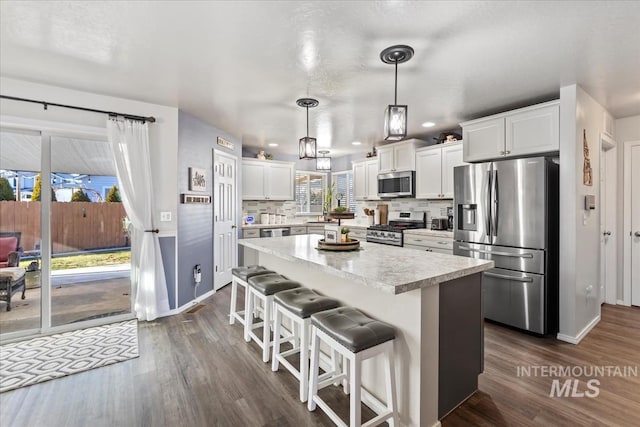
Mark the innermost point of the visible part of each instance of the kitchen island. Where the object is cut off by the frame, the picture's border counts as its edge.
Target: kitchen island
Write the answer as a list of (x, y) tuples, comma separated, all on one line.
[(433, 300)]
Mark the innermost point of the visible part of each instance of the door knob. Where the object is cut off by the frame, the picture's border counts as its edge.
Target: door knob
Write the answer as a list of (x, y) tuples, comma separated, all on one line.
[(606, 233), (637, 233), (233, 226)]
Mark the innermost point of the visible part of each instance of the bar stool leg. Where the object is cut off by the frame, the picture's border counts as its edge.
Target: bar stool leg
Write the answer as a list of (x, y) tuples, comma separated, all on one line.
[(345, 371), (390, 374), (304, 360), (355, 417), (276, 339), (248, 313), (234, 295), (266, 329), (315, 358)]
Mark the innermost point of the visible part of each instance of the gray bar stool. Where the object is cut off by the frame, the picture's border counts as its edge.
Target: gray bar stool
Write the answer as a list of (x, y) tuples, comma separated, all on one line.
[(263, 288), (240, 276), (297, 305), (356, 337)]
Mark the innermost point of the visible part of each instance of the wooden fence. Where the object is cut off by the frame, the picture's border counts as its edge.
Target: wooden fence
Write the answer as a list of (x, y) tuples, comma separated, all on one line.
[(75, 226)]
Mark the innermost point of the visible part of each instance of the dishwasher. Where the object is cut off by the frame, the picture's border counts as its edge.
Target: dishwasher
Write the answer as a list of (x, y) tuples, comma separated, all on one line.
[(274, 232)]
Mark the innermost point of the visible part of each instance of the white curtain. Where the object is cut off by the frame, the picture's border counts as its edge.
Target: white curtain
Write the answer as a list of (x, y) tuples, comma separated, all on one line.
[(129, 142)]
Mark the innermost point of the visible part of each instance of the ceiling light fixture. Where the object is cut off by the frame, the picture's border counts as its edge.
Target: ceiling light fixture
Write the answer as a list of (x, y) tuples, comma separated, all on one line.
[(356, 143), (307, 145), (323, 163), (273, 144), (428, 124), (395, 116)]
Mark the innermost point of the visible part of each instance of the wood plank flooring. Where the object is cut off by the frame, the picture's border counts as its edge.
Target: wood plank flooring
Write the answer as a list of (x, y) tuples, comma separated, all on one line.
[(196, 370)]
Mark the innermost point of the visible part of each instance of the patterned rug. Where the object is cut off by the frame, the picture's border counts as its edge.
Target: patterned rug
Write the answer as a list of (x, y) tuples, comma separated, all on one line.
[(41, 359)]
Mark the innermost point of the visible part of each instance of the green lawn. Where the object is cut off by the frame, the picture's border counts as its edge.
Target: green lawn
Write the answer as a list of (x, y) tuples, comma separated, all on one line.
[(86, 260)]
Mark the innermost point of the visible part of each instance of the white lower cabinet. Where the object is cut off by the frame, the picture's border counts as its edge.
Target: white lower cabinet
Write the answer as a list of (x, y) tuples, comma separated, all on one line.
[(294, 231)]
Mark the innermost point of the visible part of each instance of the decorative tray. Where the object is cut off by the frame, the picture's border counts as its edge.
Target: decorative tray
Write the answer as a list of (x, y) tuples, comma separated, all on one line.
[(351, 245), (341, 215)]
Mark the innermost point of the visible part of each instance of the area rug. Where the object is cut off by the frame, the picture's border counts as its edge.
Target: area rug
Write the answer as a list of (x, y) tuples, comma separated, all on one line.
[(41, 359)]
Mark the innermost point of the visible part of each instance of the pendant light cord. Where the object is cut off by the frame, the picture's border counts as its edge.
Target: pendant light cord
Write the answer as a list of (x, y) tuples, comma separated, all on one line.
[(307, 122), (395, 97)]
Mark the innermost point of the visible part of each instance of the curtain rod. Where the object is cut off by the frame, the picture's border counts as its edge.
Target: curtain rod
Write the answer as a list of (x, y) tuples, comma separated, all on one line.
[(46, 104)]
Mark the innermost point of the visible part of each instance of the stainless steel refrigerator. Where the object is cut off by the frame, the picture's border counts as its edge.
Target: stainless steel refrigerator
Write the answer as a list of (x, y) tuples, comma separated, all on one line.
[(507, 211)]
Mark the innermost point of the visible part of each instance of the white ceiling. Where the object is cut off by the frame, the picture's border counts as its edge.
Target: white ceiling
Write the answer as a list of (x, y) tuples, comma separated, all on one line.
[(241, 65)]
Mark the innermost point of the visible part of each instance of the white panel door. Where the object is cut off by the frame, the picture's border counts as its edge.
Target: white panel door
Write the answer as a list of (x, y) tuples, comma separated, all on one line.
[(451, 157), (635, 225), (608, 241), (225, 242), (429, 173)]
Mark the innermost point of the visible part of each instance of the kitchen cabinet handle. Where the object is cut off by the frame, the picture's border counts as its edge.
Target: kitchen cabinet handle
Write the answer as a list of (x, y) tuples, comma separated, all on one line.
[(507, 254), (508, 152), (637, 234), (606, 233), (504, 276), (502, 153), (417, 240), (443, 243)]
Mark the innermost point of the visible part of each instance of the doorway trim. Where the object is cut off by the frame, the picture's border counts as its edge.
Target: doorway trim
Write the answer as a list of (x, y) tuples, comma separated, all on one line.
[(608, 221), (215, 155), (626, 261)]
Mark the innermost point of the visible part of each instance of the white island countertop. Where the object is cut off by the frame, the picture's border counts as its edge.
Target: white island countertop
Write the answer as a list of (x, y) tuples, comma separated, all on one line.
[(387, 268)]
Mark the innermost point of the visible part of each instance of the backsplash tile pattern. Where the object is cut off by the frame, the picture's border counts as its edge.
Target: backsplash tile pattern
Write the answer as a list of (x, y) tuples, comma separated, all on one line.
[(434, 208)]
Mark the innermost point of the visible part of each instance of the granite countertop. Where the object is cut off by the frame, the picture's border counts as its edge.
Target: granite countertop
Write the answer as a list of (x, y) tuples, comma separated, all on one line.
[(426, 232), (388, 268)]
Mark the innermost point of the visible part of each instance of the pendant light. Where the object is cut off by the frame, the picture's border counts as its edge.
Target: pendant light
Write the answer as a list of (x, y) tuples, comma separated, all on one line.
[(395, 116), (323, 163), (307, 145)]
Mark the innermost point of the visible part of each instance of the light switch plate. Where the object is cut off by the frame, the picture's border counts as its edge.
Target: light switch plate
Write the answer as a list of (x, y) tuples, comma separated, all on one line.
[(165, 216)]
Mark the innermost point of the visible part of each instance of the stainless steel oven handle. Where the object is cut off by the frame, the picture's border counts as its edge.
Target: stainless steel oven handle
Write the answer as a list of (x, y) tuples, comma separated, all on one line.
[(515, 279), (507, 254)]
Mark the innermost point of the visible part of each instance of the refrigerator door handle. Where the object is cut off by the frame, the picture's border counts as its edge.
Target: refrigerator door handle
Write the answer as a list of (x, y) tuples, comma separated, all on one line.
[(487, 204), (507, 254), (494, 203), (504, 276)]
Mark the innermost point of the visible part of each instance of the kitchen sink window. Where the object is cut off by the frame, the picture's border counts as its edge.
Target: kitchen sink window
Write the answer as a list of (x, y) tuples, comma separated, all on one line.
[(344, 185), (310, 188)]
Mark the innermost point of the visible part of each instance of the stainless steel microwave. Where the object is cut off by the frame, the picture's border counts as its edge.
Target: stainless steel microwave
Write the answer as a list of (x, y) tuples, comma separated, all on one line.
[(397, 184)]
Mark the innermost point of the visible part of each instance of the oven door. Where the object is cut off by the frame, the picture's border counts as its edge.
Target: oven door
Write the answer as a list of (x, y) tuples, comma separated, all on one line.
[(397, 184)]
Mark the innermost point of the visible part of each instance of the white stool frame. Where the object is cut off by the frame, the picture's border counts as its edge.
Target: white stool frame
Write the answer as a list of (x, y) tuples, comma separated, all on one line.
[(358, 393), (299, 346), (233, 313)]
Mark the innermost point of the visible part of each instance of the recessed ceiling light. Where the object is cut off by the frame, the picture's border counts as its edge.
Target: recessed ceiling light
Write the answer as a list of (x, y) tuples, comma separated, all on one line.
[(356, 143), (273, 144), (428, 124)]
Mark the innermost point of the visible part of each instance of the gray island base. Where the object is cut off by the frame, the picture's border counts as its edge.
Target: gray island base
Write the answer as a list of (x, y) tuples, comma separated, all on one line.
[(433, 300)]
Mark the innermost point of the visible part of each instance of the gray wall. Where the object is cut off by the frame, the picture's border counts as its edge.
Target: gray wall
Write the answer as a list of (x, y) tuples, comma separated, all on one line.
[(196, 141), (168, 253)]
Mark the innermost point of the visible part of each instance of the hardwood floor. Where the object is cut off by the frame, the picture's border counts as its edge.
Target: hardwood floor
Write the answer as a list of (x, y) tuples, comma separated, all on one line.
[(196, 370)]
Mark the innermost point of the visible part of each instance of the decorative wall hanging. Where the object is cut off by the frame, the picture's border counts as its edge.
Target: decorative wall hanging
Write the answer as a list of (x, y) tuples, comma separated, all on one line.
[(587, 172), (197, 179)]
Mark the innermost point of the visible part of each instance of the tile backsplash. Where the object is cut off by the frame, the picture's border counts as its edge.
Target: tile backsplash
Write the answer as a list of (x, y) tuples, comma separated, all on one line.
[(434, 208)]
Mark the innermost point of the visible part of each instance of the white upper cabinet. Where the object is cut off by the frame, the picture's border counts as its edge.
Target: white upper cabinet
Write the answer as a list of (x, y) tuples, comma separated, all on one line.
[(267, 180), (434, 170), (397, 157), (365, 179), (530, 130)]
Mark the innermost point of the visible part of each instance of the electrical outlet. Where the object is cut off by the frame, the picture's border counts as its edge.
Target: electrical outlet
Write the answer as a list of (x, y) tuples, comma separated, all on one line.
[(165, 216)]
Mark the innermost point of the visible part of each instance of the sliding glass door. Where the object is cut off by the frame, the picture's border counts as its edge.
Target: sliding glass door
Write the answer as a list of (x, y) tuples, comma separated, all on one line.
[(63, 205)]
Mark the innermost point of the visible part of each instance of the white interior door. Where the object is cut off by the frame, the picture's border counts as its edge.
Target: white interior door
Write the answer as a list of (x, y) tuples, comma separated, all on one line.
[(225, 216), (608, 238), (631, 228), (635, 223)]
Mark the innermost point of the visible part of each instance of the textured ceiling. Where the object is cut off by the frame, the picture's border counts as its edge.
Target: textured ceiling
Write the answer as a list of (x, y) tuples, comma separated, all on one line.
[(241, 65)]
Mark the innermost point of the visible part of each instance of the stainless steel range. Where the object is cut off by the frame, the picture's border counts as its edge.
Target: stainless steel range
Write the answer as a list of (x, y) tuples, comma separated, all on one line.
[(391, 234)]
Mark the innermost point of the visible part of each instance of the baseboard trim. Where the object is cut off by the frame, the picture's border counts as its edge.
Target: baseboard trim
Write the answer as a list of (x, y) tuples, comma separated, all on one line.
[(583, 333), (188, 305), (437, 424), (621, 302)]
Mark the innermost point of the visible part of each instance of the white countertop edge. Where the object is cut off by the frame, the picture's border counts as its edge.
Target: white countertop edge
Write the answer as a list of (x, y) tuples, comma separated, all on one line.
[(390, 289)]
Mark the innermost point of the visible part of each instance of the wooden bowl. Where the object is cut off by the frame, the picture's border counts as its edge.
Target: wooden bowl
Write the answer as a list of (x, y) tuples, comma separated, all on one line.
[(351, 245)]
